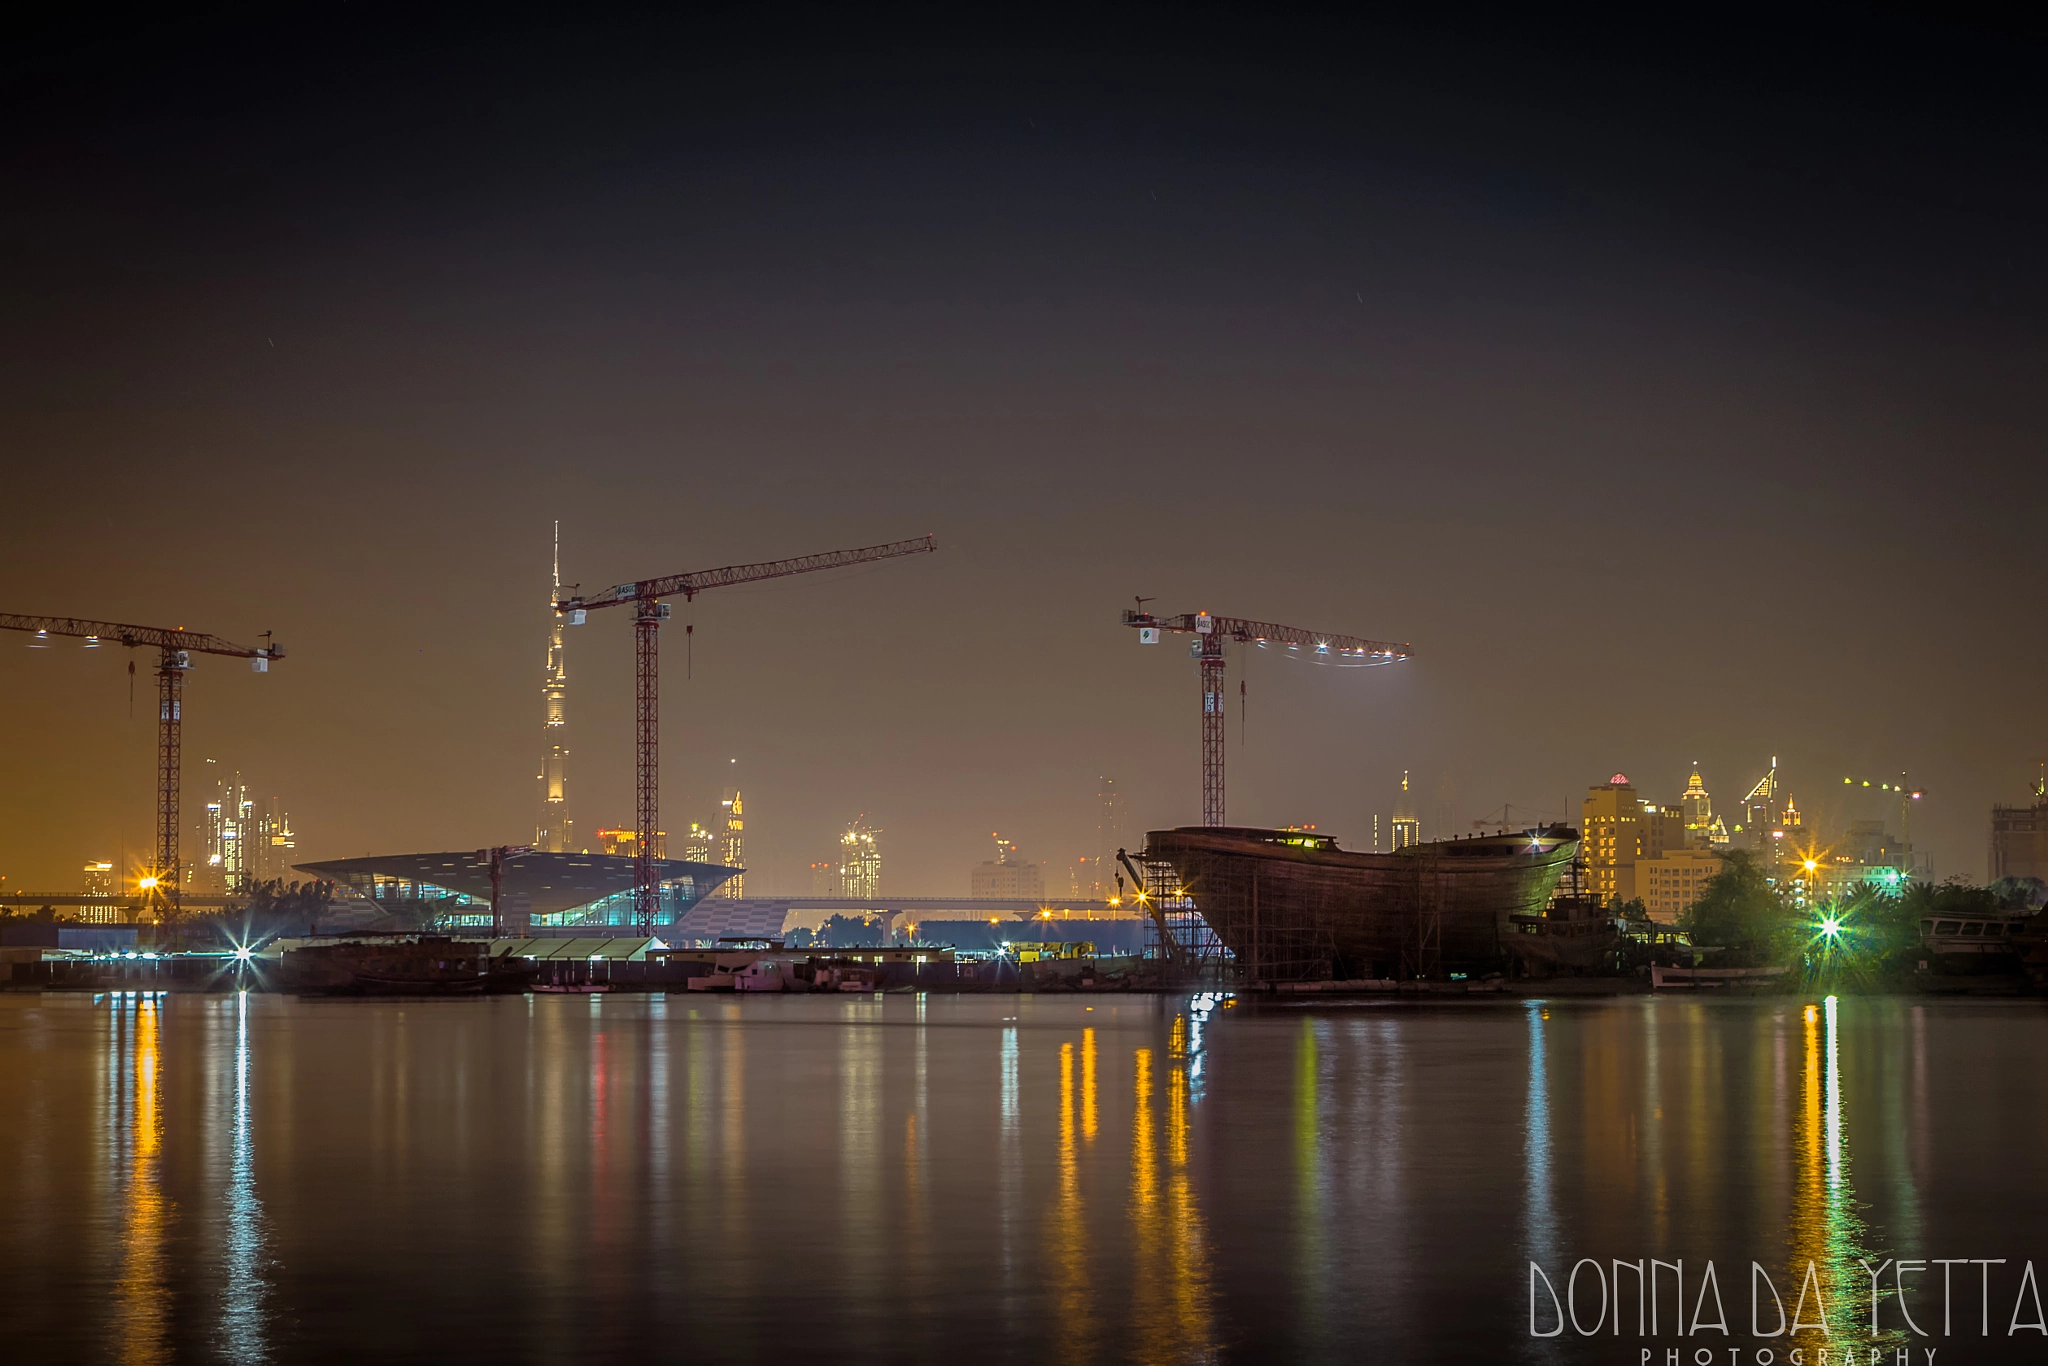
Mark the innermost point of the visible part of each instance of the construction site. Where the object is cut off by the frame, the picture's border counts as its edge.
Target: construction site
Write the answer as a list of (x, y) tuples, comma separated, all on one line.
[(1206, 905)]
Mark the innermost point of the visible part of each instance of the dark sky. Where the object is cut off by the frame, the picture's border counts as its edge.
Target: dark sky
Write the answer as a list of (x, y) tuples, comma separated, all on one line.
[(1676, 390)]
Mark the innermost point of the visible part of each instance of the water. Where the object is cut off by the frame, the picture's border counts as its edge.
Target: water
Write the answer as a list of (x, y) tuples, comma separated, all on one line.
[(257, 1178)]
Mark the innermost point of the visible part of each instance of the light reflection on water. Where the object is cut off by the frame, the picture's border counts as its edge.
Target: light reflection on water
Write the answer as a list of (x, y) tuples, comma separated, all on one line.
[(1098, 1179), (242, 1312), (140, 1323)]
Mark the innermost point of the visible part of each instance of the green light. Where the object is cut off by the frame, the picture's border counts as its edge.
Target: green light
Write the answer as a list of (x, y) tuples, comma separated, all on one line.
[(1831, 927)]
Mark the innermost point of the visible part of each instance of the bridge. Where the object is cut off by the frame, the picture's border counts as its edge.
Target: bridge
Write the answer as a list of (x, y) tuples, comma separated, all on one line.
[(925, 906), (720, 917)]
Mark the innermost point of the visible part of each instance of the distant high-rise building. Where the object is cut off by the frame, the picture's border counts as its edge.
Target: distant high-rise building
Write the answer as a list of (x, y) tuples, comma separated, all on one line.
[(1109, 837), (860, 860), (1621, 831), (1759, 812), (1406, 827), (2019, 838), (100, 881), (272, 843), (697, 844), (732, 840), (247, 839), (556, 832), (1698, 806), (1007, 875)]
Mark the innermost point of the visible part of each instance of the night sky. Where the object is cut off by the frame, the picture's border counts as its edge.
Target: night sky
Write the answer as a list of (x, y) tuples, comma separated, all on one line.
[(1676, 391)]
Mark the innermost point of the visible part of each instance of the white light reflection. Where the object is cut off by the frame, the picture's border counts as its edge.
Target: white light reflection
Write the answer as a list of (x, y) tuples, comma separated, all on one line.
[(1834, 1099), (1200, 1008), (1010, 1175), (242, 1312), (1541, 1216)]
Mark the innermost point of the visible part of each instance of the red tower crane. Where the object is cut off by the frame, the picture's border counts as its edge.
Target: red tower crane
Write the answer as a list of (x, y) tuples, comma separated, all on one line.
[(1210, 632), (649, 611), (175, 646)]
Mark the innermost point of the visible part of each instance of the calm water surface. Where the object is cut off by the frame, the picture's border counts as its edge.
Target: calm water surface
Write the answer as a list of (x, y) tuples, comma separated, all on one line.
[(259, 1178)]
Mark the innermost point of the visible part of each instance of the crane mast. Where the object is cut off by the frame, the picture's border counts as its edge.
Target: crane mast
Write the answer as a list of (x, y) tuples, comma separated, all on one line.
[(649, 611), (1210, 632), (175, 647)]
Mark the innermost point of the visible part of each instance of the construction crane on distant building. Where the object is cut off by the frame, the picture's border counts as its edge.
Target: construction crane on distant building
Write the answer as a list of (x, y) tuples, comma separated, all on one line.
[(1906, 795), (649, 611), (175, 646), (1210, 632)]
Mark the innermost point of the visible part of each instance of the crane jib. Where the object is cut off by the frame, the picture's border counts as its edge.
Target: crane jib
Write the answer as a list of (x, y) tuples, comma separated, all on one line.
[(691, 584), (646, 626), (136, 637)]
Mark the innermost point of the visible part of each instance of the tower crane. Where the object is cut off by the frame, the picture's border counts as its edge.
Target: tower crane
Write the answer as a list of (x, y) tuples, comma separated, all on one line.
[(1210, 632), (175, 646), (649, 611)]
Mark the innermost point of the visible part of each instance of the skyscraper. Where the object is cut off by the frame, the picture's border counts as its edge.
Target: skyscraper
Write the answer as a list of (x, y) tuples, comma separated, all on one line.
[(248, 839), (228, 830), (732, 842), (1109, 836), (556, 831), (1699, 811), (1008, 875), (860, 860), (1406, 828)]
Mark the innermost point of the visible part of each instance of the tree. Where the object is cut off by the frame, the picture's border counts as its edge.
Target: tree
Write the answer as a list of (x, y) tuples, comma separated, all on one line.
[(1740, 912)]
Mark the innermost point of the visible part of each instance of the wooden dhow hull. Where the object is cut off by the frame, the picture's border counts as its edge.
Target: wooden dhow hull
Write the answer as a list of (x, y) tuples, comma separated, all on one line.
[(1294, 907)]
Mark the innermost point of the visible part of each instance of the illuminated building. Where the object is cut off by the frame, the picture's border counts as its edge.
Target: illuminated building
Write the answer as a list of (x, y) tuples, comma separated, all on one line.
[(1759, 813), (1007, 875), (1405, 829), (2019, 838), (622, 843), (1622, 831), (273, 843), (556, 832), (697, 844), (1702, 828), (1672, 882), (1872, 846), (857, 872), (732, 840), (860, 860), (453, 890), (247, 839), (100, 881)]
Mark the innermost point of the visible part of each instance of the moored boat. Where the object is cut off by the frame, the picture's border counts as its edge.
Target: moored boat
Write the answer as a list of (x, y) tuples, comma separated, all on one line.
[(408, 965), (1292, 906)]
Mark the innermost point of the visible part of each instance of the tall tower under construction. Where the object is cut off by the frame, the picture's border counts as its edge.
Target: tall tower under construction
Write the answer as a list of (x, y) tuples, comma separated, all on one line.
[(1406, 826), (556, 832)]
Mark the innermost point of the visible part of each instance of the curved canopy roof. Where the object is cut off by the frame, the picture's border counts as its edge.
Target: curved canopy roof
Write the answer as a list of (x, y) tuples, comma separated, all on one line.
[(552, 883)]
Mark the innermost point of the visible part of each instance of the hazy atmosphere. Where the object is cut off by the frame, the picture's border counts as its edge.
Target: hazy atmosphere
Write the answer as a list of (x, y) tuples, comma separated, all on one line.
[(1673, 410)]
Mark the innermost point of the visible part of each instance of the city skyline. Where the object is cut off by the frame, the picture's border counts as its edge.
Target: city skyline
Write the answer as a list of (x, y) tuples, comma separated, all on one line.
[(1296, 341)]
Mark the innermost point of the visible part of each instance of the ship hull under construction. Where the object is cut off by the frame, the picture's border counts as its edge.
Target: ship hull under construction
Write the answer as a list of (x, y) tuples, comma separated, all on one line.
[(1294, 907)]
